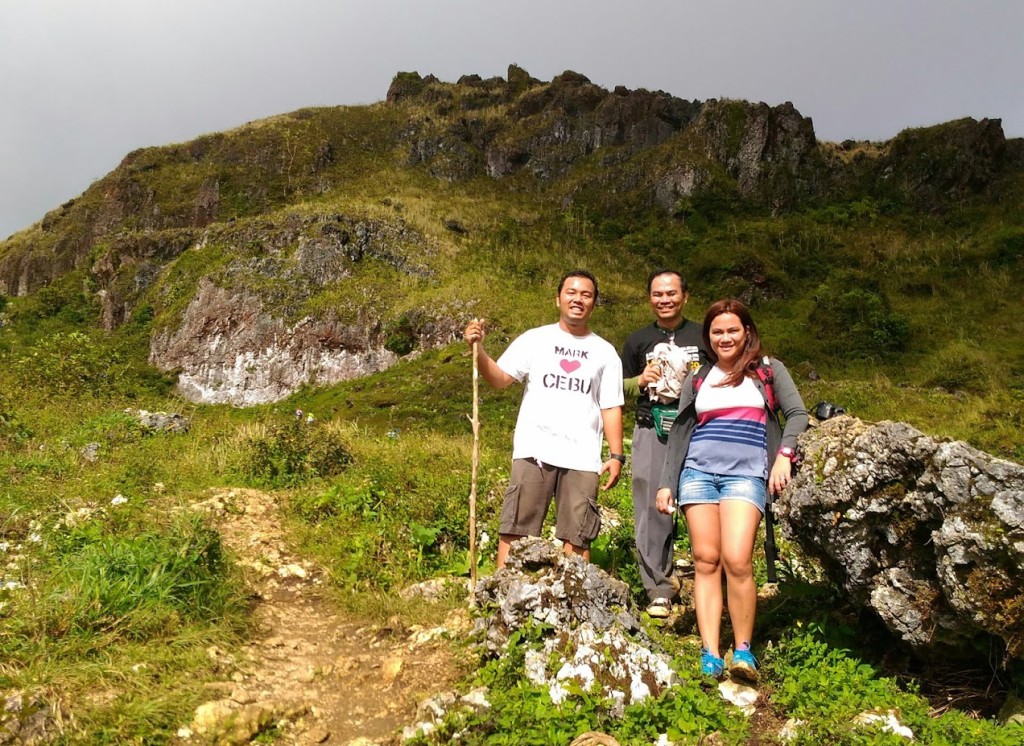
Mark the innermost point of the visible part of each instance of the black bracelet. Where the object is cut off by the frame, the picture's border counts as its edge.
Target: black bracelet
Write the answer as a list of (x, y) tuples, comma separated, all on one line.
[(618, 457)]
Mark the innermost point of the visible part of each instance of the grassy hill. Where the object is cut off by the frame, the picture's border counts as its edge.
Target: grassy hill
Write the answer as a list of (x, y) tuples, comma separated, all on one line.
[(884, 274)]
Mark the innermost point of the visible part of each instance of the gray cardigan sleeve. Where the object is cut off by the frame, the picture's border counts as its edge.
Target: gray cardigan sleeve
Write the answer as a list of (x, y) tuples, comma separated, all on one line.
[(790, 404), (679, 438)]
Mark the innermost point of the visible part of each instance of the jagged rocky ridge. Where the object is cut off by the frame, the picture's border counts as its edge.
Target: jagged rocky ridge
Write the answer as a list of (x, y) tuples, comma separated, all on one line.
[(927, 533), (767, 155), (204, 234)]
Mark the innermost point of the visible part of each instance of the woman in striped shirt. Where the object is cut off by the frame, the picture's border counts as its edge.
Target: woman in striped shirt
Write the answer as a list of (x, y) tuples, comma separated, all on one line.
[(726, 451)]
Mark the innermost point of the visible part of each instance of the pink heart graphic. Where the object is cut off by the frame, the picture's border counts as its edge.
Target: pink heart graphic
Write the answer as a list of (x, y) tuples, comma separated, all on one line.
[(569, 365)]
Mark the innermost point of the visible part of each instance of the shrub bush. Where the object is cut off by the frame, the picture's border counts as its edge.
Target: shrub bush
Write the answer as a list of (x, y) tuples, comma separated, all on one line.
[(828, 689), (400, 336), (71, 364), (852, 321), (293, 451), (64, 300)]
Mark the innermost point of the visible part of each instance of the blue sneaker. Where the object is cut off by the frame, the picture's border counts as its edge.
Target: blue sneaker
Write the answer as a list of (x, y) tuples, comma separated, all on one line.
[(744, 664), (711, 665)]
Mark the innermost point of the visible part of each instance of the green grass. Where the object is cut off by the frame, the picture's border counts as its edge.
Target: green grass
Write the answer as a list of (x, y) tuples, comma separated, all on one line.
[(887, 311), (133, 582)]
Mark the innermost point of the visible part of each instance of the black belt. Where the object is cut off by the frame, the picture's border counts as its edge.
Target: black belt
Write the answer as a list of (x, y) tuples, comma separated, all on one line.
[(644, 420)]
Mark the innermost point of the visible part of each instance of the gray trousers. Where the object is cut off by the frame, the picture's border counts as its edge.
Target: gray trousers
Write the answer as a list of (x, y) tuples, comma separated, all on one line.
[(654, 531)]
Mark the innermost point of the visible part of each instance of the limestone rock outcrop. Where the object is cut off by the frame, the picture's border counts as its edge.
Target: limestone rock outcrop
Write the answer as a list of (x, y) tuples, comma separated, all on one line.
[(927, 533), (594, 639), (229, 349), (240, 340), (540, 584), (547, 128)]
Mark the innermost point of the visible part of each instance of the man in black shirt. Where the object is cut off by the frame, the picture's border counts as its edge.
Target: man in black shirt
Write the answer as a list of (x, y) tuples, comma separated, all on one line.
[(642, 368)]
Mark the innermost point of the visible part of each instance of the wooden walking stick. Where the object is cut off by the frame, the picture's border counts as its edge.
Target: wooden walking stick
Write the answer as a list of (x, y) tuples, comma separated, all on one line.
[(476, 465)]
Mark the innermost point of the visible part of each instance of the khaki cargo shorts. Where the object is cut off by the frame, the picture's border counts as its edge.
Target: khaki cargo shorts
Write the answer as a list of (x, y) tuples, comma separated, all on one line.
[(531, 487)]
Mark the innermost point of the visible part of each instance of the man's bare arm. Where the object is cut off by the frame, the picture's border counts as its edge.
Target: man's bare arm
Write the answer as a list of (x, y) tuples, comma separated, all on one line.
[(489, 370), (611, 418)]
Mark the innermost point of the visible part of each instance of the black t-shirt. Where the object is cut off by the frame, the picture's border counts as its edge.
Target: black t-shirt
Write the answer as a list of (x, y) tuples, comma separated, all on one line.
[(638, 350)]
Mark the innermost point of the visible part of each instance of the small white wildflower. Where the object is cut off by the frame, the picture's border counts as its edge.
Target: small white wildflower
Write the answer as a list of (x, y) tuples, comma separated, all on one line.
[(119, 499), (184, 733), (484, 539), (11, 585), (309, 419), (557, 692), (158, 487), (35, 537), (78, 516), (4, 546)]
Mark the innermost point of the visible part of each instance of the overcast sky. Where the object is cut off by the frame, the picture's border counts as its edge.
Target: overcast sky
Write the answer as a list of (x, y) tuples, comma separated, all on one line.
[(83, 82)]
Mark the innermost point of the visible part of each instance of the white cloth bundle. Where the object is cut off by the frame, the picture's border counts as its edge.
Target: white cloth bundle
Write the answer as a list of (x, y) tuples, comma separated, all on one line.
[(674, 363)]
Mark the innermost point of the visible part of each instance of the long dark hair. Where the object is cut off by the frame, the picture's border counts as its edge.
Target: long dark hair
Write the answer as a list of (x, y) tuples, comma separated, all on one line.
[(751, 354)]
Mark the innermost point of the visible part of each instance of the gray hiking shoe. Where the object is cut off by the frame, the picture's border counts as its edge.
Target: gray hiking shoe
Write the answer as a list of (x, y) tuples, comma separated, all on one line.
[(659, 608)]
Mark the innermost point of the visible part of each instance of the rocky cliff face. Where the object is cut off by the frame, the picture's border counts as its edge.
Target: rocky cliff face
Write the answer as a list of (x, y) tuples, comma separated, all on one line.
[(933, 166), (771, 152), (239, 340), (543, 130), (230, 349), (926, 533), (505, 127)]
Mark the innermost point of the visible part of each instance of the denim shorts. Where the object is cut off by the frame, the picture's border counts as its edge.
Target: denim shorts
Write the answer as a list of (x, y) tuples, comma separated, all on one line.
[(696, 487)]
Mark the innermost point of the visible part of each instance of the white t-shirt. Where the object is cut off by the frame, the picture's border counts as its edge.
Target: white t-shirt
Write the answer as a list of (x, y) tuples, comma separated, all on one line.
[(569, 380)]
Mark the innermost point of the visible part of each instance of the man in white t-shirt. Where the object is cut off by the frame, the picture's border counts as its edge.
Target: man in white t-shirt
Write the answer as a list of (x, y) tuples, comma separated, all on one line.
[(573, 396)]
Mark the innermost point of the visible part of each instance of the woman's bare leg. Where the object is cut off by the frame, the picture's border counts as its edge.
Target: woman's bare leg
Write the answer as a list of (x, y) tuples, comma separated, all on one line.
[(702, 521), (739, 520)]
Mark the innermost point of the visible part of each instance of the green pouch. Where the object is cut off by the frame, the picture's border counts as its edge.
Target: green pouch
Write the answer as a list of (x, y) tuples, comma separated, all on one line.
[(664, 416)]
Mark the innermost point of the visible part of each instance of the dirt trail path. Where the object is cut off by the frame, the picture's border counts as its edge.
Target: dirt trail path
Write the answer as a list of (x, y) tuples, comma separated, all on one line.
[(320, 676)]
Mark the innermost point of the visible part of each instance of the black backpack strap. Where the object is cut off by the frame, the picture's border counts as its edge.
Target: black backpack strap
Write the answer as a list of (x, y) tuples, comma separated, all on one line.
[(764, 372), (770, 553)]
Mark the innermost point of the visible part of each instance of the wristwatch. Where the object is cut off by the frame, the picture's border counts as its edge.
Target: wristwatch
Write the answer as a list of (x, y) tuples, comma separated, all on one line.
[(618, 457), (788, 452)]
